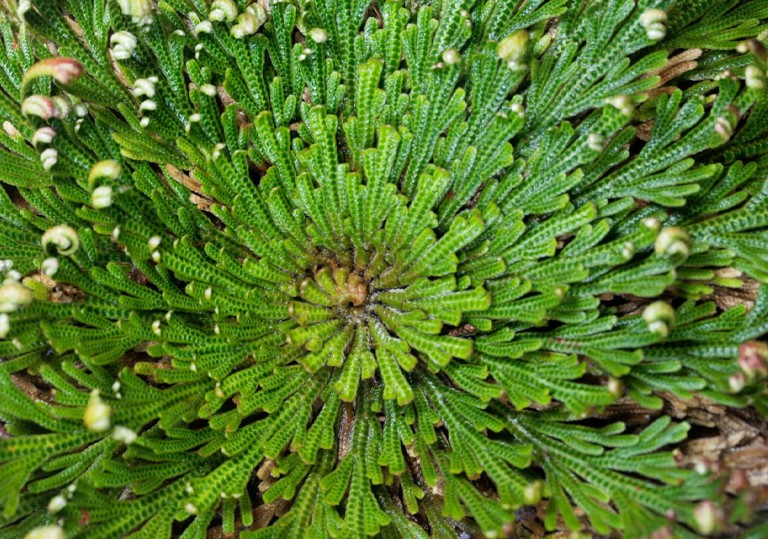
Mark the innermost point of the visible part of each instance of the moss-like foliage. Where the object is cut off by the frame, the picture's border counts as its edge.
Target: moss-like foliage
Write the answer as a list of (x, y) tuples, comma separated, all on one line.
[(342, 268)]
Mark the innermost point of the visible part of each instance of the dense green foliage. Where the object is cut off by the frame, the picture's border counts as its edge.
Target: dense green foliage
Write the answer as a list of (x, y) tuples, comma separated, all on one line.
[(350, 268)]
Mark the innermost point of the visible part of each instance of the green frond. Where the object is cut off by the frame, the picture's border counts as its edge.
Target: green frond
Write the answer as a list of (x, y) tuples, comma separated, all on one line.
[(345, 269)]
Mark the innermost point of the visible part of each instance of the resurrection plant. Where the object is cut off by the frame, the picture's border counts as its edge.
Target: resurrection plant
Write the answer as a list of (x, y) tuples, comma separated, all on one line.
[(342, 268)]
